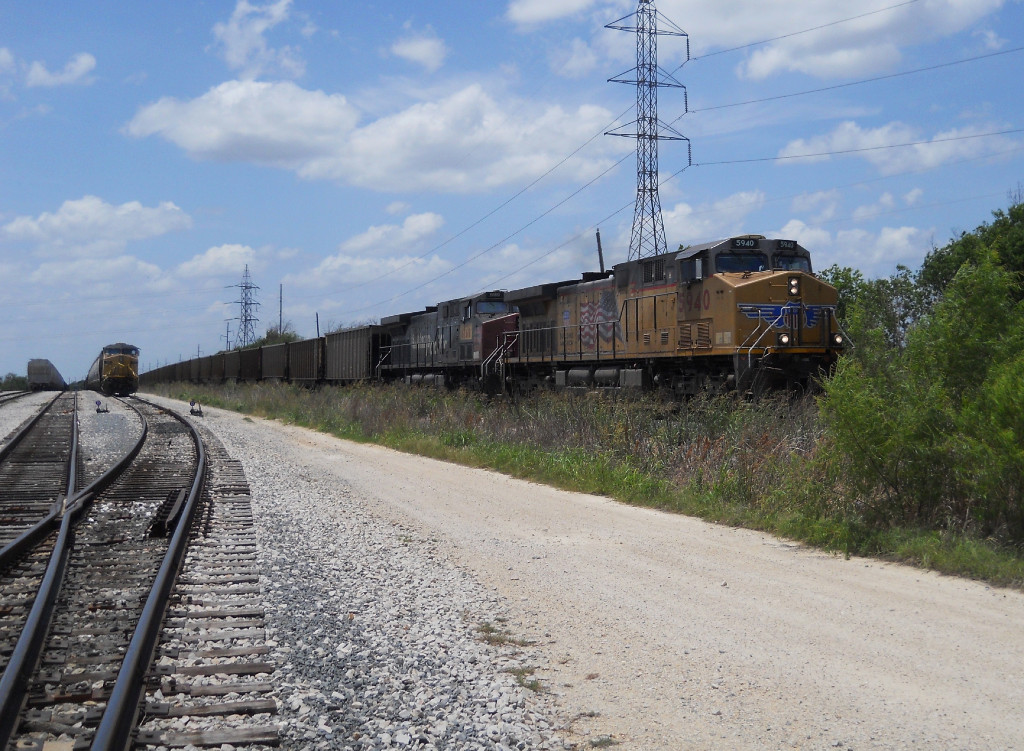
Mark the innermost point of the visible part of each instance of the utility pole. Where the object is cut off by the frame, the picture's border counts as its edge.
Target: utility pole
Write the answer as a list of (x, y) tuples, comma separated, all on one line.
[(648, 236), (280, 308), (227, 334)]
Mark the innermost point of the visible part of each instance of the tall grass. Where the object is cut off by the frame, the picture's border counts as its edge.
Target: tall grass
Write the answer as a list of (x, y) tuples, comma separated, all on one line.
[(768, 465)]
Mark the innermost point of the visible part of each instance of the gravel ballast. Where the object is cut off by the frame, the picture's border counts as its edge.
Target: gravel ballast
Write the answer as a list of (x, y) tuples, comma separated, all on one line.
[(381, 641), (650, 630)]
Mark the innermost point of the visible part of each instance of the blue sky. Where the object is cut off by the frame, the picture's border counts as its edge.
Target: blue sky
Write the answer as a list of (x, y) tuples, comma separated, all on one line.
[(374, 158)]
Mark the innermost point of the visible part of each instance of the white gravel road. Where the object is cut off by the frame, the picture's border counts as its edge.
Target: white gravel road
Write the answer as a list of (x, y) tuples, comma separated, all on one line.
[(662, 632)]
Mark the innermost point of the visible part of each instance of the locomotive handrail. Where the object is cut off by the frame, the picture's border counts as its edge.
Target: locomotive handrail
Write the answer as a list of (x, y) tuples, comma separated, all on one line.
[(115, 728)]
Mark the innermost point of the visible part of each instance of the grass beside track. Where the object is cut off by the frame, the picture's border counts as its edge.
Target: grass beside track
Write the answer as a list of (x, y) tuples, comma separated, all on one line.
[(768, 465)]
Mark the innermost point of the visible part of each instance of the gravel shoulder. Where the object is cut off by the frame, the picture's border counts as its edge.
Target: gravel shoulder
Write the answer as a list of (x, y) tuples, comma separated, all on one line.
[(664, 632)]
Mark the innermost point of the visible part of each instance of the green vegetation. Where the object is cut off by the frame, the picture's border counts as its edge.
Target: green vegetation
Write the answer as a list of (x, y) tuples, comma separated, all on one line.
[(914, 451), (12, 382)]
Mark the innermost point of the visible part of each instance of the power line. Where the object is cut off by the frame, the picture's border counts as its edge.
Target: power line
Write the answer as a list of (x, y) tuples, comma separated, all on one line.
[(840, 152), (805, 31), (859, 82)]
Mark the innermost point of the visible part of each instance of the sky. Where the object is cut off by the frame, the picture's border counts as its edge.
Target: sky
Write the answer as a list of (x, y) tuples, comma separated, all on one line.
[(366, 159)]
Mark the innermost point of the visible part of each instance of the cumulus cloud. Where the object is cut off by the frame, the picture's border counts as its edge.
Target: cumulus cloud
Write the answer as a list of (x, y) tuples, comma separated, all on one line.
[(885, 203), (218, 261), (688, 225), (578, 60), (874, 253), (465, 141), (89, 227), (381, 249), (540, 11), (424, 48), (96, 274), (854, 48), (824, 202), (276, 124), (6, 61), (76, 71), (946, 146), (244, 46)]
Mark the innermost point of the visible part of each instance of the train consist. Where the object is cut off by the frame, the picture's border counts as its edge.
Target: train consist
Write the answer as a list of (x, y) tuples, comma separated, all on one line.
[(745, 313), (43, 376), (115, 371)]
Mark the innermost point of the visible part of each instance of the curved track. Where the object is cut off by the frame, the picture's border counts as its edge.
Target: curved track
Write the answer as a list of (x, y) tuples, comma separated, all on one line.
[(96, 586)]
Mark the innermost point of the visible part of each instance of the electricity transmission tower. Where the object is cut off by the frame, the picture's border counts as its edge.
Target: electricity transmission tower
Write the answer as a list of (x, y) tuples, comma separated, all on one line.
[(246, 333), (648, 236)]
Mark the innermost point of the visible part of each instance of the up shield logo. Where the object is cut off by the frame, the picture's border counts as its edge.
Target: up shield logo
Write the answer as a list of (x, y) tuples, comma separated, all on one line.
[(779, 315)]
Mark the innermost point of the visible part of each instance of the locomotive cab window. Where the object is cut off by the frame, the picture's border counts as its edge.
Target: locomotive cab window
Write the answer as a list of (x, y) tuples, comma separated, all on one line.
[(740, 262), (787, 262), (654, 271), (491, 306)]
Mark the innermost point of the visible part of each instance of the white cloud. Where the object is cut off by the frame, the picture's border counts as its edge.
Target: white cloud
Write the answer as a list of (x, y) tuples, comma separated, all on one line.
[(276, 124), (876, 254), (89, 227), (244, 47), (424, 48), (688, 225), (539, 11), (465, 141), (578, 60), (218, 261), (990, 39), (885, 203), (392, 237), (76, 71), (98, 275), (946, 146), (913, 196), (824, 202), (6, 61), (381, 249), (397, 207), (853, 48)]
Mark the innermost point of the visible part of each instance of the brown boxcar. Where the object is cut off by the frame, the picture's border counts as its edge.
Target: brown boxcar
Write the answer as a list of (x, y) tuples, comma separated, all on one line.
[(249, 365), (217, 367), (274, 361), (353, 354), (305, 361), (231, 365)]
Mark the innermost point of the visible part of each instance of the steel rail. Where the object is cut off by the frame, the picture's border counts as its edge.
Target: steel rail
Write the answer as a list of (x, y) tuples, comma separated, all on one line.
[(119, 718), (14, 549), (26, 429), (28, 651)]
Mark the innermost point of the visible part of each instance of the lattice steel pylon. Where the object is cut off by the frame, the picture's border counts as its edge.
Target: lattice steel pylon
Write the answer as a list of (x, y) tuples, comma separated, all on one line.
[(648, 236), (246, 333)]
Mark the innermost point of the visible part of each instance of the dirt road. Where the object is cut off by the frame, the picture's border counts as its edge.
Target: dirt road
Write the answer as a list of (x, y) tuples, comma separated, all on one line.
[(668, 633)]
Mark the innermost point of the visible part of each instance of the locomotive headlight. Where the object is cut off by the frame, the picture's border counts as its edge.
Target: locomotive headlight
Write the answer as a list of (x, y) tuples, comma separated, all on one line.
[(837, 339), (783, 339), (794, 286)]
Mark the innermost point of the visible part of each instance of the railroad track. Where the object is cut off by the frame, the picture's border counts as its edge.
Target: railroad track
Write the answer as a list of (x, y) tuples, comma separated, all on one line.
[(94, 624), (12, 396), (38, 467)]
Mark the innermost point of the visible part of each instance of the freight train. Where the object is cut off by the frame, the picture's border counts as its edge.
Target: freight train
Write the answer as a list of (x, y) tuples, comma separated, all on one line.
[(115, 371), (745, 313), (43, 376)]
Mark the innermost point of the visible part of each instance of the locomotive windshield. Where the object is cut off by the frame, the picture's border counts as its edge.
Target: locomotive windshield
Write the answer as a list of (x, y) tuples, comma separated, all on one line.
[(791, 263), (725, 262), (491, 306)]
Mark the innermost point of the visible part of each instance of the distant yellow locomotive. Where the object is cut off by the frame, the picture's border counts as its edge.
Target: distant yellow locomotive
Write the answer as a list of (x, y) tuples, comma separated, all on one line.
[(115, 372), (742, 313)]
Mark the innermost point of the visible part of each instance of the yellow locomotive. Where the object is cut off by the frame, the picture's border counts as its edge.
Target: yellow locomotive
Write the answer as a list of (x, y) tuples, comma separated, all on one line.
[(115, 372), (742, 313)]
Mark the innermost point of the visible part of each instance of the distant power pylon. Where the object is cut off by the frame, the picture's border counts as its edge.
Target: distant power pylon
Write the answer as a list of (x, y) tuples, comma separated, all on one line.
[(248, 306), (648, 237)]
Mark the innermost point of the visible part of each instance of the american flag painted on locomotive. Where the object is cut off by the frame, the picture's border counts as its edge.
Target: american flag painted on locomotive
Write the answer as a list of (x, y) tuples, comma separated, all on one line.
[(599, 319)]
